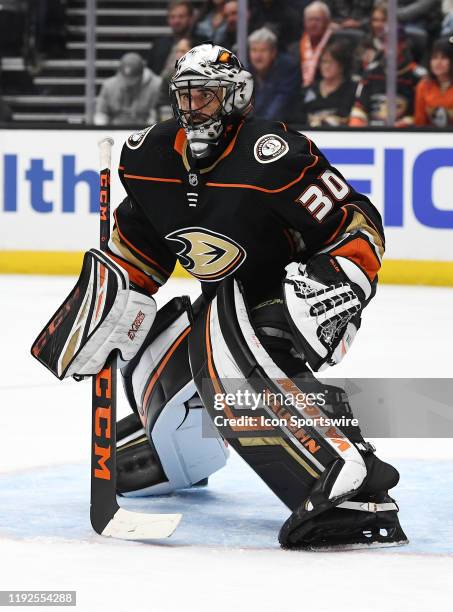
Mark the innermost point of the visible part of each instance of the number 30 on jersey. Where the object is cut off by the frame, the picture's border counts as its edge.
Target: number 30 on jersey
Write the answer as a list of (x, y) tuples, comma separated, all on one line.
[(317, 201)]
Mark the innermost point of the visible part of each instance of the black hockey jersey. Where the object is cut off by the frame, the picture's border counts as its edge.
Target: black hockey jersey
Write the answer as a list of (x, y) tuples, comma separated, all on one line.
[(268, 199)]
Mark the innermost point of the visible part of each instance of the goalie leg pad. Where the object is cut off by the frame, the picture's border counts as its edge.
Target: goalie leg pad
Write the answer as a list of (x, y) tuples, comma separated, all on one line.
[(102, 313), (225, 350), (313, 470), (159, 385)]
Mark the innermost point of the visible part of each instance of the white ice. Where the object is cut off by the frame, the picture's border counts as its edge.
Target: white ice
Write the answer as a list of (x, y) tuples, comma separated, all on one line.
[(225, 555)]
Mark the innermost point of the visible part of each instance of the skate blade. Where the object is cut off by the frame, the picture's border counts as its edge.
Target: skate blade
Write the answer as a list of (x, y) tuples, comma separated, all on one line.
[(127, 525), (355, 546)]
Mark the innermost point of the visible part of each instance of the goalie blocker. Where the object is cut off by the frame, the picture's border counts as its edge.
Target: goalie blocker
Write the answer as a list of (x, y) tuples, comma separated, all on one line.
[(329, 477), (104, 312)]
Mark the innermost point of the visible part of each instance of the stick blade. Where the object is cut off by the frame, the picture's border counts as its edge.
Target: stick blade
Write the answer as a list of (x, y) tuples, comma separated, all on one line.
[(127, 525)]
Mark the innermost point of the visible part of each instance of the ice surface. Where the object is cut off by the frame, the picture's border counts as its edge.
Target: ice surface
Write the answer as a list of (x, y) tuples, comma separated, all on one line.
[(225, 554)]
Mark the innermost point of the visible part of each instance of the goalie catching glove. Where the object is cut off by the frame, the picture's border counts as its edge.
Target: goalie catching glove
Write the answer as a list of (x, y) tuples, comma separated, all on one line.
[(104, 312), (323, 308)]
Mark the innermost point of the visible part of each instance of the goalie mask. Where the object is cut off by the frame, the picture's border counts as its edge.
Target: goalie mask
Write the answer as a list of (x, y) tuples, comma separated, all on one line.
[(210, 85)]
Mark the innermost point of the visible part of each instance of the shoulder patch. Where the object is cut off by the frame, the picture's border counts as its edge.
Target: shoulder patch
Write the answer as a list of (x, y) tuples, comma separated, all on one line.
[(138, 138), (269, 148)]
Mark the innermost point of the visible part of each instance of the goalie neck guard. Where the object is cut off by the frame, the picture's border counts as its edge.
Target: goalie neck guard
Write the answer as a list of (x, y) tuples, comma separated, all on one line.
[(209, 88)]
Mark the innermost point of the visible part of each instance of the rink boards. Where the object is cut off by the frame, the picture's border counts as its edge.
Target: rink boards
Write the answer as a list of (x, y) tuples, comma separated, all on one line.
[(49, 196)]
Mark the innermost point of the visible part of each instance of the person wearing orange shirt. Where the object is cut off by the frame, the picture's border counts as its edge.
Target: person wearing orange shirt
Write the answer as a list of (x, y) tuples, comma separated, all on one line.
[(434, 95)]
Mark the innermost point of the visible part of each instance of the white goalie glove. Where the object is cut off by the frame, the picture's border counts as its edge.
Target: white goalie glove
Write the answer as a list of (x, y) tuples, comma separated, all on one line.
[(324, 316), (103, 313)]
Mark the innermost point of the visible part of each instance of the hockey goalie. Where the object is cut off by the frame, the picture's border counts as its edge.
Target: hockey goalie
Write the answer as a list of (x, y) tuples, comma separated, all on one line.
[(287, 254)]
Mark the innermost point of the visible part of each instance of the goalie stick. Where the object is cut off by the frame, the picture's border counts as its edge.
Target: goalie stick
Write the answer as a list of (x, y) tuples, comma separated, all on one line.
[(107, 517)]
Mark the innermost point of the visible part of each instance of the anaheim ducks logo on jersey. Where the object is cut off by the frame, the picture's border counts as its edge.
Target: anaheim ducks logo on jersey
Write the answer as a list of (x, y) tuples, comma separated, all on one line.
[(138, 138), (207, 255)]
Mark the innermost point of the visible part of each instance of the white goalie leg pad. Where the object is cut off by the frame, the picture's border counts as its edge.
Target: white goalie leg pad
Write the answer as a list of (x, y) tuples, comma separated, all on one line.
[(188, 451), (188, 446)]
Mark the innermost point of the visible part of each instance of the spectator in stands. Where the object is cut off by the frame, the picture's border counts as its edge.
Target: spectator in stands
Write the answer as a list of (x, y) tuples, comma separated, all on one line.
[(276, 75), (434, 94), (129, 97), (210, 24), (422, 14), (421, 20), (370, 106), (229, 35), (329, 101), (350, 14), (164, 110), (280, 17), (162, 55), (317, 31), (373, 43)]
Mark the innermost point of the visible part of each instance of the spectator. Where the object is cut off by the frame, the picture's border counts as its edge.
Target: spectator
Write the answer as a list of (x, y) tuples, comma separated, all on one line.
[(276, 75), (329, 101), (210, 24), (421, 20), (163, 104), (129, 97), (424, 15), (277, 16), (373, 43), (434, 94), (370, 106), (162, 55), (229, 35), (350, 14), (317, 31)]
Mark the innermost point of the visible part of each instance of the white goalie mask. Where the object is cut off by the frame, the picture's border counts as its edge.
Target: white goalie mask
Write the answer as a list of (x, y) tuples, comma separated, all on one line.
[(209, 86)]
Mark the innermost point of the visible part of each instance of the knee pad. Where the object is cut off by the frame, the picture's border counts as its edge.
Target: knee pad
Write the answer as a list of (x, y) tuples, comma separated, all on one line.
[(159, 386)]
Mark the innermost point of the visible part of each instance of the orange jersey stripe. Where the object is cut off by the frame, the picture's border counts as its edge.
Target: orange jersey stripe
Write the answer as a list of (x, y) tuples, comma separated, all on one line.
[(152, 178), (278, 189)]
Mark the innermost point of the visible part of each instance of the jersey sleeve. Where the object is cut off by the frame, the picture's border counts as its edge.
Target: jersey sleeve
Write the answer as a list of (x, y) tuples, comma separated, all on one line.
[(137, 247), (330, 217)]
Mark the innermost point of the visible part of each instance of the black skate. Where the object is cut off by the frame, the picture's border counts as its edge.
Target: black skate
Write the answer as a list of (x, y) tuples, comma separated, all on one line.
[(367, 520)]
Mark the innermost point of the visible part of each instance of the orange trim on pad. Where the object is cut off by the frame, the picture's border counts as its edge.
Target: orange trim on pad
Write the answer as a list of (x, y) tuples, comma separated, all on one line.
[(362, 254), (136, 276), (162, 365)]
